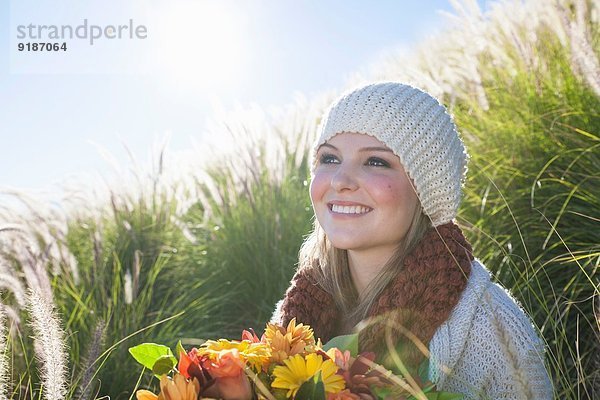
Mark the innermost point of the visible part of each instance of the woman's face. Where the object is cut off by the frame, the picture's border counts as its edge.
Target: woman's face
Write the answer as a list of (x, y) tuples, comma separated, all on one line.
[(361, 195)]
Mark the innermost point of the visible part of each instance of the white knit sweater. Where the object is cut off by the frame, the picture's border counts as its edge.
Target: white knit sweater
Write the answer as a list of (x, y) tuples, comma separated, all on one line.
[(488, 347)]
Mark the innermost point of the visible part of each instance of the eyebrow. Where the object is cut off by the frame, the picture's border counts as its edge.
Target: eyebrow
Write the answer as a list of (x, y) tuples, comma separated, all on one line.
[(375, 148)]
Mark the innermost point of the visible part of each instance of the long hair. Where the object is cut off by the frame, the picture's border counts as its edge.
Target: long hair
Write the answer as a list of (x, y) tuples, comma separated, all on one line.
[(330, 268)]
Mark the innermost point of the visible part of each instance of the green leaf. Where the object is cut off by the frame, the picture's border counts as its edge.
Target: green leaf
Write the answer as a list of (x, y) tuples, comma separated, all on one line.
[(344, 342), (179, 349), (312, 389), (148, 354), (164, 365)]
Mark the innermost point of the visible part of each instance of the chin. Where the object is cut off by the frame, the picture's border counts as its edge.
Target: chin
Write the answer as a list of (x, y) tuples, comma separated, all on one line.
[(344, 244)]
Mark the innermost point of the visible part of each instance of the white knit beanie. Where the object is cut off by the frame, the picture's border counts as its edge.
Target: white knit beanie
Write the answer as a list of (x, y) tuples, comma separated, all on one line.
[(417, 128)]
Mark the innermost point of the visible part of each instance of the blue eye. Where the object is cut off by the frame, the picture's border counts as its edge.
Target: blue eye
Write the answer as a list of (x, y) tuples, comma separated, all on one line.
[(328, 159), (377, 162)]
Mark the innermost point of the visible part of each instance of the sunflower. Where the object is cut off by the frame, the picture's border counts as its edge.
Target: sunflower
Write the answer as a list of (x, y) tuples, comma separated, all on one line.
[(255, 354), (286, 342), (298, 369)]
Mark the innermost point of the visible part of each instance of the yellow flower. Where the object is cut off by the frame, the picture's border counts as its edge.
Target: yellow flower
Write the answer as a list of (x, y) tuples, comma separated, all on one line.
[(298, 369), (255, 354), (288, 342)]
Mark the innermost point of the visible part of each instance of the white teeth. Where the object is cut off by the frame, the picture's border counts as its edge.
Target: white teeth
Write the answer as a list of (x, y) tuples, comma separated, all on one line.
[(349, 209)]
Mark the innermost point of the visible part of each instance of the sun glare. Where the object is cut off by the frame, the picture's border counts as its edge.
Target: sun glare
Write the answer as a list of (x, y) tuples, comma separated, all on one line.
[(200, 44)]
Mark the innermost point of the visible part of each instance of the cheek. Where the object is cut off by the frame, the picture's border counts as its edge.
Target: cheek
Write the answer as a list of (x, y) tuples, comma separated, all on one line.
[(394, 192), (318, 187)]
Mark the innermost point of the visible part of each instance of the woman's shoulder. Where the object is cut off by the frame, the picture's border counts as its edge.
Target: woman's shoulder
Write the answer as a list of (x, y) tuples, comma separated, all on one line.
[(488, 341), (484, 298), (494, 307), (483, 307)]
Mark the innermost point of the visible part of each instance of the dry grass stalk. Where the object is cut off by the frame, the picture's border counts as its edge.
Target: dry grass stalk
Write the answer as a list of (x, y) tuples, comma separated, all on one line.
[(584, 59), (4, 367), (96, 346), (49, 339)]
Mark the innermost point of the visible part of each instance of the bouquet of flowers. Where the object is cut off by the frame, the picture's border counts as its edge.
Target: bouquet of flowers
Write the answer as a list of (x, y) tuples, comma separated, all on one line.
[(285, 363)]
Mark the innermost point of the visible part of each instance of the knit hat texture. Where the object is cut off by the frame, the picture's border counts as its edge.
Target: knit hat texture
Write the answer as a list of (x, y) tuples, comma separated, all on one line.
[(417, 128)]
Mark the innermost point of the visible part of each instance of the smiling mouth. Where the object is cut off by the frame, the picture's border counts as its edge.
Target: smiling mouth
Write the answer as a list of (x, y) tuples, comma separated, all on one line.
[(336, 208)]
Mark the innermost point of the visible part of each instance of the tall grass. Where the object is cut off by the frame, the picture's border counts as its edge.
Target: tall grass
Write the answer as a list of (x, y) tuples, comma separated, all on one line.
[(138, 265), (259, 215), (221, 242), (134, 261)]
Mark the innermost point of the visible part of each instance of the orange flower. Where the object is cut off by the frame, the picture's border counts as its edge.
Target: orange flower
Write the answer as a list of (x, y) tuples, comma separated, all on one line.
[(251, 336), (186, 361), (231, 381), (343, 395), (227, 363), (177, 388), (287, 342), (145, 395), (190, 366)]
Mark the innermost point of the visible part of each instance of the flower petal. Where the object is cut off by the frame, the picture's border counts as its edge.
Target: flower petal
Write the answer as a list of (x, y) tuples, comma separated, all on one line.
[(145, 395)]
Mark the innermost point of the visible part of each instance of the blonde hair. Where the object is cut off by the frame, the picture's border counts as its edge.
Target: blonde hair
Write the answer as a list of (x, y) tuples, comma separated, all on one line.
[(329, 266)]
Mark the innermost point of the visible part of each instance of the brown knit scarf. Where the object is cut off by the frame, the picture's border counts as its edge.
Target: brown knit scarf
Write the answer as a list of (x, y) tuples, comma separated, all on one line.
[(417, 301)]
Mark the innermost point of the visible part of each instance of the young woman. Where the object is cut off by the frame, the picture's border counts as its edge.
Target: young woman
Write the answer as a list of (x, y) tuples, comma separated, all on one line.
[(385, 258)]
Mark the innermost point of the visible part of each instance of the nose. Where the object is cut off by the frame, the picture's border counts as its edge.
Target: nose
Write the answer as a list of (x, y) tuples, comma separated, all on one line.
[(344, 179)]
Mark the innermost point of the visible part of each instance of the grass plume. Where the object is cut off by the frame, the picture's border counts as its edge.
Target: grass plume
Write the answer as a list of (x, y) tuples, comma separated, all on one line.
[(4, 359), (85, 386), (50, 346)]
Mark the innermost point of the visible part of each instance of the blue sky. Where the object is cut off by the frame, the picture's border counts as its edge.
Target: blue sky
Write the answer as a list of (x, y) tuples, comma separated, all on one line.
[(54, 106)]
